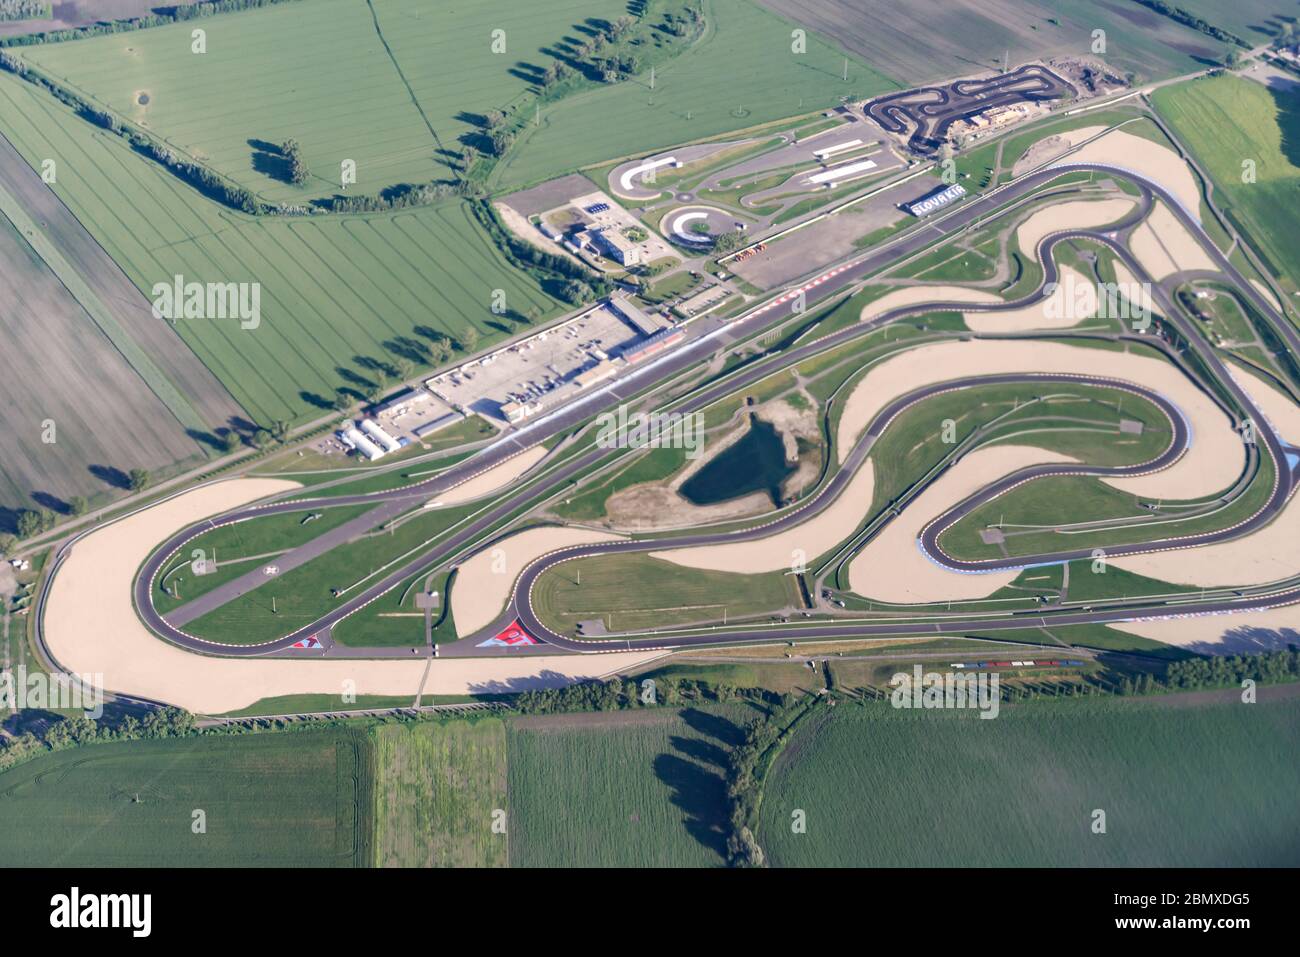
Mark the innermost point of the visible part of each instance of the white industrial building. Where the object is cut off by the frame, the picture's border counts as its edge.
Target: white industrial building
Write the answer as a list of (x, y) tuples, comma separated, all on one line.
[(376, 432), (352, 437)]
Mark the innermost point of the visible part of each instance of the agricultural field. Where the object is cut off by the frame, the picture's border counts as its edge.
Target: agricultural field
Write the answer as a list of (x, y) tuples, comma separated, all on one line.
[(1226, 121), (638, 788), (75, 13), (741, 73), (285, 800), (876, 785), (49, 338), (622, 789), (1255, 21), (437, 786), (931, 40), (347, 80), (344, 299)]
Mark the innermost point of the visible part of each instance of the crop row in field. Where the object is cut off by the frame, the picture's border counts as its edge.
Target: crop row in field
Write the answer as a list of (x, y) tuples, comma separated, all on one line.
[(266, 800), (49, 339), (930, 40), (1181, 786), (389, 85), (628, 789), (641, 788)]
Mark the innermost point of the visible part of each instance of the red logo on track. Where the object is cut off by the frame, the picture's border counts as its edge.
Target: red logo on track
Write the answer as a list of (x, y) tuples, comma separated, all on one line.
[(512, 636)]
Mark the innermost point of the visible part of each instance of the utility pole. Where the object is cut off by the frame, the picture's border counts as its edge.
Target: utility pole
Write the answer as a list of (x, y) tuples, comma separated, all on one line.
[(846, 69), (652, 76)]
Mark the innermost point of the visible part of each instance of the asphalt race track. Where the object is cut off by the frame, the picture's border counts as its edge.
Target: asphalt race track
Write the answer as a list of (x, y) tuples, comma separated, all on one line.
[(932, 110), (711, 337)]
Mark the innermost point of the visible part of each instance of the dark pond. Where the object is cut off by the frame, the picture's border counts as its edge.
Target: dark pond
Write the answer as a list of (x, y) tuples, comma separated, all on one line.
[(755, 463)]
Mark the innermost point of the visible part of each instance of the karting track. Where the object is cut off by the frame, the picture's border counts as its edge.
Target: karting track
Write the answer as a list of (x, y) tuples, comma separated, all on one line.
[(931, 110), (720, 334)]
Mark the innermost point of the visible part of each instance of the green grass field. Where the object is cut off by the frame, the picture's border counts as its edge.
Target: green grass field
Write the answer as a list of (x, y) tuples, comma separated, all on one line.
[(624, 789), (1080, 421), (665, 594), (740, 73), (1182, 785), (437, 786), (303, 594), (388, 84), (1226, 121), (283, 800), (1255, 21), (1032, 512), (232, 545), (341, 297)]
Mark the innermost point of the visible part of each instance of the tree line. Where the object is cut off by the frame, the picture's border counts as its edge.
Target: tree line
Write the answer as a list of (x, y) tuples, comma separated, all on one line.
[(79, 730), (1189, 19), (24, 9)]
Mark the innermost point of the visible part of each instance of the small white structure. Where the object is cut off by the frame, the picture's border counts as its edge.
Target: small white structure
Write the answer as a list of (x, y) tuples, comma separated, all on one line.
[(829, 151), (841, 173)]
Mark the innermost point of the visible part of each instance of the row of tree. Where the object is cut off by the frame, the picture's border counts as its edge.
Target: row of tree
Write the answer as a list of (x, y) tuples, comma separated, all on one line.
[(749, 762), (78, 730), (1189, 19), (632, 694), (35, 521), (23, 9), (291, 150)]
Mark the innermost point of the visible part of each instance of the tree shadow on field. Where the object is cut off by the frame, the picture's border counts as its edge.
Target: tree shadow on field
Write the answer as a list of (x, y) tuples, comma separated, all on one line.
[(8, 520), (530, 73), (315, 399), (404, 347), (269, 160), (52, 502), (360, 384), (430, 333), (206, 438), (375, 366), (1287, 103), (111, 476), (695, 774)]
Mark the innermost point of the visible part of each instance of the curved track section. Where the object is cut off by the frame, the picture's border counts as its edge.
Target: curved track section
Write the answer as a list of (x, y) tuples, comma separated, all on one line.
[(697, 350)]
